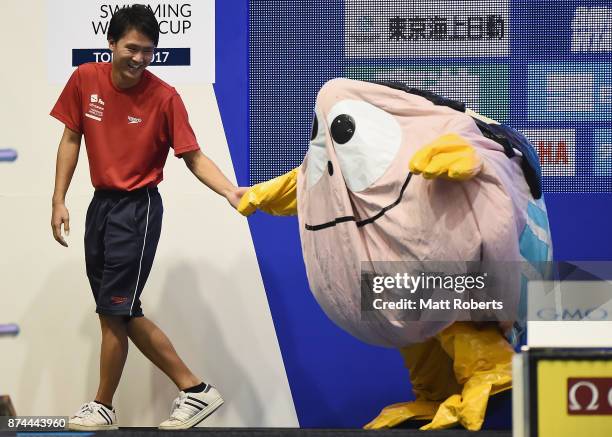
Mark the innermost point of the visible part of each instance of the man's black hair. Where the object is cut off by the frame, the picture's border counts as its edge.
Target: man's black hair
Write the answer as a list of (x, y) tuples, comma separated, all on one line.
[(138, 17)]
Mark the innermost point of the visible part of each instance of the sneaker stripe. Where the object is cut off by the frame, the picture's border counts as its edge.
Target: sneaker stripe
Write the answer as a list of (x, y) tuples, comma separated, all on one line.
[(197, 400), (108, 416), (197, 407), (105, 416)]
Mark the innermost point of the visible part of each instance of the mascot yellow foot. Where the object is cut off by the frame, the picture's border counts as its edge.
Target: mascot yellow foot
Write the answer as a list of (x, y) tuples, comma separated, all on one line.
[(431, 375), (453, 375)]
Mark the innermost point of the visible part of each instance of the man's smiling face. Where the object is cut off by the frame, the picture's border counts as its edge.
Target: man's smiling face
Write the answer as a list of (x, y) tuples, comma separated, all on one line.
[(132, 54)]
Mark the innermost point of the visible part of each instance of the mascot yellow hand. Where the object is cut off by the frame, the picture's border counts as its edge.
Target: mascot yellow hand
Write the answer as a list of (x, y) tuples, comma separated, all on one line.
[(276, 196), (449, 156)]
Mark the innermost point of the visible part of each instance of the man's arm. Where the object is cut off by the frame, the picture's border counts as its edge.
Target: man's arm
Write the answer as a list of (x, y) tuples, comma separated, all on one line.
[(210, 175), (67, 157)]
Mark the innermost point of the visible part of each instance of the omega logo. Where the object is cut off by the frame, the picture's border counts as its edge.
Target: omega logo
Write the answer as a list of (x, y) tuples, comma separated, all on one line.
[(584, 396)]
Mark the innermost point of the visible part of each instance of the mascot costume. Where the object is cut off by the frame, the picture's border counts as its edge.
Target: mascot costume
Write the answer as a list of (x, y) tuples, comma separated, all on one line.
[(403, 175)]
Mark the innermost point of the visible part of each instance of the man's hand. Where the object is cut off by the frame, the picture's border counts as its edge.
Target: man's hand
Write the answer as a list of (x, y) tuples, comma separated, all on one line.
[(67, 157), (60, 216), (233, 196)]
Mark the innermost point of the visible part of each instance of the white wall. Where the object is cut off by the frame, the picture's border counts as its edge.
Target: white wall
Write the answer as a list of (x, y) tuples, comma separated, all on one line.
[(205, 289)]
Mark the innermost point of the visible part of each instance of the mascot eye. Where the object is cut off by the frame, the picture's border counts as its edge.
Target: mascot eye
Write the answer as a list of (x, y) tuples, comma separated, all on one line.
[(316, 159), (366, 153), (343, 128), (315, 128)]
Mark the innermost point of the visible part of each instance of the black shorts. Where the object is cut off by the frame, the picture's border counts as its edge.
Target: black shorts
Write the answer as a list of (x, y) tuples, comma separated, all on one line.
[(122, 230)]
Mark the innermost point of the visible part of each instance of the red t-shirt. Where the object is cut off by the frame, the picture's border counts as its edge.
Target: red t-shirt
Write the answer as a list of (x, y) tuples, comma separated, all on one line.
[(127, 132)]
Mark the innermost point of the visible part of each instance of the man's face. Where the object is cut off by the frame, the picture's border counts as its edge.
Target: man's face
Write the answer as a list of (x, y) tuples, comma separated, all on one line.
[(131, 55)]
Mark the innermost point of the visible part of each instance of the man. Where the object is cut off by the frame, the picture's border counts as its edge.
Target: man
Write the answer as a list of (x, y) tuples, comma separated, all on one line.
[(130, 119)]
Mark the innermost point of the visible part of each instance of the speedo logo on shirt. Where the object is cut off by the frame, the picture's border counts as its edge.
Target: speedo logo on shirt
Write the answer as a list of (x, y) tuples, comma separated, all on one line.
[(95, 111), (133, 120)]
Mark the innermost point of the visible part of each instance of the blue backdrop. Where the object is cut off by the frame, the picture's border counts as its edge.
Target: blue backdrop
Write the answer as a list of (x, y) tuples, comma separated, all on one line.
[(549, 76)]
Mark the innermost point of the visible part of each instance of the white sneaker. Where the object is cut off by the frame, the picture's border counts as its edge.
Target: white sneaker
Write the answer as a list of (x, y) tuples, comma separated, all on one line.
[(93, 416), (189, 409)]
